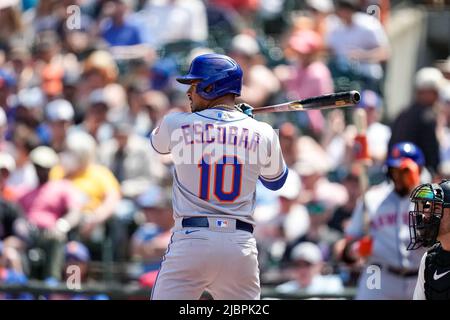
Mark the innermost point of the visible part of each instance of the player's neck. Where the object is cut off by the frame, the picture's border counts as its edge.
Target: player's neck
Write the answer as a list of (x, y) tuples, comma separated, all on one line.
[(225, 102)]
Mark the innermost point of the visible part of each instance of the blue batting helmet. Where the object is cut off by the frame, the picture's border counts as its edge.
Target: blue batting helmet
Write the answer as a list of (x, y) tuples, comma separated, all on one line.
[(216, 70), (405, 150)]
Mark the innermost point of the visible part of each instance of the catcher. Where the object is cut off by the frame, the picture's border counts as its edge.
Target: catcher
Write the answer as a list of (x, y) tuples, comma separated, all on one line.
[(430, 226)]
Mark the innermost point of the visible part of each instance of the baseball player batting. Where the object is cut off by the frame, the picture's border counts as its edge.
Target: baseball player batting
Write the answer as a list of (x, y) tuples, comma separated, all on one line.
[(219, 154)]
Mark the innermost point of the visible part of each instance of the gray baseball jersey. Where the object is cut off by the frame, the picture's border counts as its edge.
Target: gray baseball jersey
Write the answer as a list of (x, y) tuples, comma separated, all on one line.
[(219, 156), (389, 228)]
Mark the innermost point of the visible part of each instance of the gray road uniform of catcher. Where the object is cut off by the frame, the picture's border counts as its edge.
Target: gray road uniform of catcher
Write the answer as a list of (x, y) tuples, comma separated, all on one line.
[(218, 154)]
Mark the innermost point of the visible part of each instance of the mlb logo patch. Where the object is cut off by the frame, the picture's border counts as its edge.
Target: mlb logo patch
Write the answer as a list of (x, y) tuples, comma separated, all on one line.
[(222, 115), (222, 223)]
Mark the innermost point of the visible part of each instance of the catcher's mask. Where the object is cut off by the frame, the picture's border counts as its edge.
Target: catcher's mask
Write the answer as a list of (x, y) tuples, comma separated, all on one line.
[(425, 219)]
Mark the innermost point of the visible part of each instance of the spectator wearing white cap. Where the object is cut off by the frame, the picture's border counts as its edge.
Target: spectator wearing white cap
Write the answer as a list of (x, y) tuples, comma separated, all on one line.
[(53, 208), (260, 84), (100, 189), (60, 115), (321, 197), (418, 122), (289, 223), (307, 265), (29, 111), (321, 11), (95, 120)]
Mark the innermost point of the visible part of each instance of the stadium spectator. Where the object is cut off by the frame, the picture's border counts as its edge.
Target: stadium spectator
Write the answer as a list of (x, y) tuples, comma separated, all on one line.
[(133, 164), (99, 70), (52, 80), (357, 36), (290, 222), (19, 61), (307, 77), (59, 117), (289, 143), (320, 12), (11, 272), (100, 189), (9, 211), (29, 111), (337, 139), (5, 146), (418, 122), (53, 208), (76, 272), (10, 22), (149, 242), (24, 177), (260, 83), (7, 88), (164, 22), (116, 30), (341, 216), (95, 121), (155, 104), (307, 263), (135, 167), (7, 165), (378, 134)]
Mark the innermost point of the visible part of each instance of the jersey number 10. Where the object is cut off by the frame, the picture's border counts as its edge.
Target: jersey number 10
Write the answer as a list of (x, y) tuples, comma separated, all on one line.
[(218, 170)]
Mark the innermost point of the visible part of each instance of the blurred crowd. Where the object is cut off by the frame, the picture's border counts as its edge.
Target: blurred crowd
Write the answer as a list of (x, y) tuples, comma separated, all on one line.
[(84, 82)]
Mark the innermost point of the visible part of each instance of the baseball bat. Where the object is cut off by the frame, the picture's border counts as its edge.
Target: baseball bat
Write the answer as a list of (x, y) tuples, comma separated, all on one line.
[(327, 101)]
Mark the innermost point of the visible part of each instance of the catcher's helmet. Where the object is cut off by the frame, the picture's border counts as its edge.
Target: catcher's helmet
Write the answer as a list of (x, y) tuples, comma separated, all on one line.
[(429, 202), (405, 150), (220, 72)]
